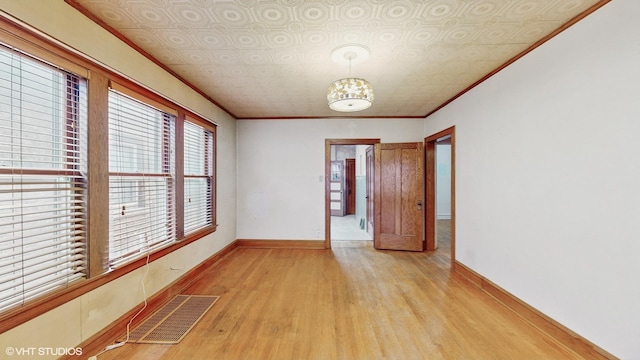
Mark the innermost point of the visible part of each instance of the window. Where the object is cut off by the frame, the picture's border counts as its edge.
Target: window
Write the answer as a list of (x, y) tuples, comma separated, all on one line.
[(43, 129), (141, 178), (121, 198), (198, 177)]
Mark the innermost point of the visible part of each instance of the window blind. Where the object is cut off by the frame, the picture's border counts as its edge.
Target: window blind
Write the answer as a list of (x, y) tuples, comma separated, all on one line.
[(141, 179), (198, 177), (43, 124)]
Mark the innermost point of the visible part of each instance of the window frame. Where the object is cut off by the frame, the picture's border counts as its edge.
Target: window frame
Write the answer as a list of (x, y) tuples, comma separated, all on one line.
[(129, 115), (65, 95), (209, 165), (100, 78)]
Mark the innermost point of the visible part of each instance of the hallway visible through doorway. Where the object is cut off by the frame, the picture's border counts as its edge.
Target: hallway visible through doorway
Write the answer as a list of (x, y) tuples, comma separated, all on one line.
[(347, 228)]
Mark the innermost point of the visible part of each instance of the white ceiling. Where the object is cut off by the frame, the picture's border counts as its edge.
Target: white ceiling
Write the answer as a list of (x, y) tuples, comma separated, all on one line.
[(272, 58)]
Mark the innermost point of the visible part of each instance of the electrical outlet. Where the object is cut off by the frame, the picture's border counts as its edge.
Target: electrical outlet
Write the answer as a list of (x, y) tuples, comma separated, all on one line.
[(317, 234)]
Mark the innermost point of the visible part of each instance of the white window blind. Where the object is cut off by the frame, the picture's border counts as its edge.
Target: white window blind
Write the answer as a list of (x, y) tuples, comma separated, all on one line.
[(198, 177), (43, 125), (141, 179)]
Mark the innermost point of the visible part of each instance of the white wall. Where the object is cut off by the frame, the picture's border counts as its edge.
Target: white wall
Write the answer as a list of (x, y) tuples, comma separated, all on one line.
[(361, 160), (281, 171), (548, 177), (361, 182), (443, 181), (84, 316)]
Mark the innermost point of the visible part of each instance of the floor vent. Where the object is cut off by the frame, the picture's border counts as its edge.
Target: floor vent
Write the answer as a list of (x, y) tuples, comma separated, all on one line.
[(171, 323)]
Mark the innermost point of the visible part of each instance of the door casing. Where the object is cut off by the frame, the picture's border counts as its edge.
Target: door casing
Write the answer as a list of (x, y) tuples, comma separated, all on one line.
[(430, 189)]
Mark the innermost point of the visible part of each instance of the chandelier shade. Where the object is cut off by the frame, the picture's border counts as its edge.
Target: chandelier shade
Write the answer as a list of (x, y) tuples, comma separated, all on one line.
[(350, 94)]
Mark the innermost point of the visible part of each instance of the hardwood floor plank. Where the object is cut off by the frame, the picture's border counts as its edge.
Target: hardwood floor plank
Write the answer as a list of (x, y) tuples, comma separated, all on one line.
[(348, 302)]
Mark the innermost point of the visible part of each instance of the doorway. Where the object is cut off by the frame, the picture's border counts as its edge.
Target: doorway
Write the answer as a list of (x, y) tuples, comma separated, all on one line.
[(440, 192), (398, 220), (356, 226)]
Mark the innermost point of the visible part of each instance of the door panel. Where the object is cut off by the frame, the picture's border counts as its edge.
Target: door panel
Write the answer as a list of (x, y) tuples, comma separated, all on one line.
[(398, 197)]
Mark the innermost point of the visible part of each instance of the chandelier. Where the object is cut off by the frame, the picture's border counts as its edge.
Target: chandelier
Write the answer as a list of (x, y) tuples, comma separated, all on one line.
[(351, 93)]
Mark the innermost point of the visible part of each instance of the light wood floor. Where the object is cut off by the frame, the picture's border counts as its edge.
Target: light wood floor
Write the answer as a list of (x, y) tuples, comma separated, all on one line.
[(350, 302)]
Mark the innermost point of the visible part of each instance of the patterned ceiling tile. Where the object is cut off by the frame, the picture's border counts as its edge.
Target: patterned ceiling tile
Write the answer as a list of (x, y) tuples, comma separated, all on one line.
[(479, 11), (231, 14), (224, 58), (169, 57), (115, 16), (424, 35), (561, 10), (191, 14), (263, 72), (388, 36), (531, 32), (278, 52), (280, 39), (395, 12), (313, 13), (441, 10), (153, 16), (356, 12), (348, 36), (286, 57), (255, 57), (461, 34), (521, 10), (271, 14), (296, 27), (243, 39), (409, 54), (143, 38), (175, 39), (209, 40), (196, 57), (315, 38), (498, 33)]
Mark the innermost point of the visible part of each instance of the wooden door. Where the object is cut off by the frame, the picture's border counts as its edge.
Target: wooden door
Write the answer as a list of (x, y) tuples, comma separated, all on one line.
[(369, 181), (336, 186), (398, 197), (350, 185)]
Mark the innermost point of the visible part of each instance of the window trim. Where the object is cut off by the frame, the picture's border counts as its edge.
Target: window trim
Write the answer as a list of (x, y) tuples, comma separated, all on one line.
[(211, 177), (37, 45), (48, 190), (125, 115)]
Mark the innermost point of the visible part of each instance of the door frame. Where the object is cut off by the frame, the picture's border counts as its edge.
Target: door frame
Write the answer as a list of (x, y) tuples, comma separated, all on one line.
[(430, 191), (327, 174), (350, 186)]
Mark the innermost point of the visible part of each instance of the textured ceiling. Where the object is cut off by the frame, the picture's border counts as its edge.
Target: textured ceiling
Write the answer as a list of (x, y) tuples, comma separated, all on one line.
[(272, 58)]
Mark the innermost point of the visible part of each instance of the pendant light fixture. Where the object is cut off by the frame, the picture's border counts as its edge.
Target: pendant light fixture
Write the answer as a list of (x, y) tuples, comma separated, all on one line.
[(351, 93)]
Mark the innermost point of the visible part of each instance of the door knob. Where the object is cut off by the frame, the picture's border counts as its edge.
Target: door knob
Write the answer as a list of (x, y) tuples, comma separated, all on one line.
[(419, 204)]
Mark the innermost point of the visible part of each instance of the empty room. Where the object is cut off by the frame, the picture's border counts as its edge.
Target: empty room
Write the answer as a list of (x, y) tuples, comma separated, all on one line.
[(289, 179)]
